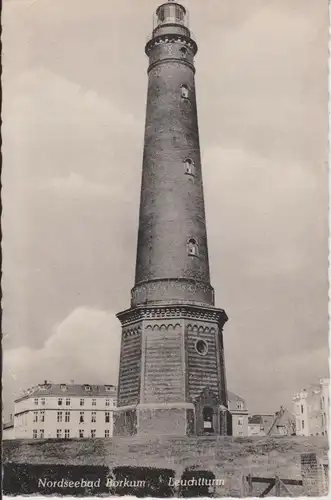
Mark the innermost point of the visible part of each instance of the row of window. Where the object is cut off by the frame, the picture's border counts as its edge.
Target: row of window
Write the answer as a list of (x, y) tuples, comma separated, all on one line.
[(87, 387), (93, 416), (67, 402), (46, 386), (41, 416), (65, 433)]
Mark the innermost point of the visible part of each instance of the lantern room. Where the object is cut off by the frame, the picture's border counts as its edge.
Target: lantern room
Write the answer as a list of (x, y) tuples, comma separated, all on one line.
[(171, 13)]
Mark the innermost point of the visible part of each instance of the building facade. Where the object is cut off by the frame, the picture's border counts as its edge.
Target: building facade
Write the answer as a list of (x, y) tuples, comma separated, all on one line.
[(172, 373), (311, 409), (239, 415), (260, 424), (65, 411)]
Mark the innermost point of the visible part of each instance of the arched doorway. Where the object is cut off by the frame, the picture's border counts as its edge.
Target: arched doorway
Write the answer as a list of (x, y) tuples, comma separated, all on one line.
[(206, 407), (208, 420)]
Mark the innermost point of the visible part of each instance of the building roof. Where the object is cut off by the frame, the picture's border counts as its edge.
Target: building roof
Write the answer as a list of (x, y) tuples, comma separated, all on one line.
[(255, 419), (234, 397), (284, 419), (66, 390), (8, 425), (310, 389)]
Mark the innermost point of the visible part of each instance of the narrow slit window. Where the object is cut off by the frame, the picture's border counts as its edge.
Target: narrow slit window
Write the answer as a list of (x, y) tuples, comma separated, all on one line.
[(192, 247), (183, 51), (184, 91), (189, 166)]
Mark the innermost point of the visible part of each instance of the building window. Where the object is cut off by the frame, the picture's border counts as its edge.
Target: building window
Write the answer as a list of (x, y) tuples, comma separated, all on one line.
[(63, 387), (81, 402), (189, 166), (59, 416), (107, 402), (301, 408), (94, 416), (36, 401), (67, 433), (184, 91), (87, 388), (240, 433), (41, 433), (240, 406), (183, 51), (201, 347), (109, 387), (192, 247), (59, 401), (240, 421), (81, 433), (94, 402), (35, 416), (81, 417), (107, 416), (59, 433), (34, 433), (107, 433), (67, 416), (67, 401), (93, 433), (302, 424), (42, 416), (43, 401)]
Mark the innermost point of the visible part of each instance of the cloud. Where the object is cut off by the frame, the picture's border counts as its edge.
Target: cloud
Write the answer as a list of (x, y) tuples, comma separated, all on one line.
[(75, 186), (263, 207), (84, 347)]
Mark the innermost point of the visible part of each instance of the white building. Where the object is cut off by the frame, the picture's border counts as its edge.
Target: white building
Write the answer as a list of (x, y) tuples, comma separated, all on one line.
[(260, 424), (239, 415), (65, 411), (311, 409)]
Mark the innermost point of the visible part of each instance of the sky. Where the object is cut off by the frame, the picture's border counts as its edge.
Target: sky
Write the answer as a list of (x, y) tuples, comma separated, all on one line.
[(74, 96)]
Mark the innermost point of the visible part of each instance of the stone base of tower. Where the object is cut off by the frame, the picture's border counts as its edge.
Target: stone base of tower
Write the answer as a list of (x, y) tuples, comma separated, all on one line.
[(152, 422), (181, 421), (172, 376)]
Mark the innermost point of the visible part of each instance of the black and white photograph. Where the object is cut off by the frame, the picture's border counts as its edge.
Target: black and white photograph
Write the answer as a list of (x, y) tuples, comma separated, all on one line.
[(165, 248)]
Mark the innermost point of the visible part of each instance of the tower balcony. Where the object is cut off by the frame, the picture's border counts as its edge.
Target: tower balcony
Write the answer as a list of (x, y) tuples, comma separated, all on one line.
[(171, 29)]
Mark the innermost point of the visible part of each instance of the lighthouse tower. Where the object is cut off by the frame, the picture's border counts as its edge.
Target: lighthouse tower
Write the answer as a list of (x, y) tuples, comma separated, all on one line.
[(172, 374)]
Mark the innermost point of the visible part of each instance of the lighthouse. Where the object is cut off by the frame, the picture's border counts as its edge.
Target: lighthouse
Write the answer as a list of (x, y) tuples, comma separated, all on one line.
[(172, 370)]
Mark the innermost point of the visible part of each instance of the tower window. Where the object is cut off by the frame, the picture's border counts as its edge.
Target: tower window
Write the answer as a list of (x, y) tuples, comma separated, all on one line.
[(189, 166), (183, 51), (201, 347), (192, 247), (184, 91)]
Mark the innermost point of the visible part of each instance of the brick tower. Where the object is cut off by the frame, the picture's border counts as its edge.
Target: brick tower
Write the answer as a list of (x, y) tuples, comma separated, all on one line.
[(172, 375)]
